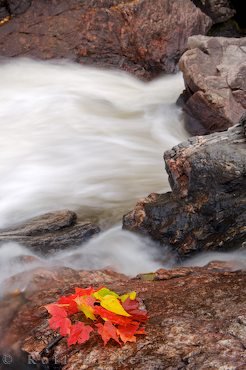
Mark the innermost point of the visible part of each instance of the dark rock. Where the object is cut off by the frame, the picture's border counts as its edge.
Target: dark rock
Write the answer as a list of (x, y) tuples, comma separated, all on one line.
[(240, 18), (3, 10), (9, 8), (207, 208), (144, 37), (214, 70), (50, 232), (196, 321), (229, 28), (218, 10), (18, 6)]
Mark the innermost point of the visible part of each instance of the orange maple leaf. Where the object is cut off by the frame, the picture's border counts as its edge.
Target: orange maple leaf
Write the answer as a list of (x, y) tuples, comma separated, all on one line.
[(107, 331), (79, 333)]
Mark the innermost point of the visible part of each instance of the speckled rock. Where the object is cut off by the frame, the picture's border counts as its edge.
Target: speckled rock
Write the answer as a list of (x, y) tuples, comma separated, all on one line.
[(196, 321), (214, 70), (143, 37)]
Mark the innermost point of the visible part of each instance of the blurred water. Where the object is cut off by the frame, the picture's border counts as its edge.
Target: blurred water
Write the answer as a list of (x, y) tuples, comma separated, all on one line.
[(83, 139), (87, 140)]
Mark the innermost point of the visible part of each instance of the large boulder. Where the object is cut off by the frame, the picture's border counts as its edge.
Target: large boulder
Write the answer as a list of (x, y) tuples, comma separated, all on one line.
[(144, 37), (214, 70), (50, 232), (207, 208), (196, 321)]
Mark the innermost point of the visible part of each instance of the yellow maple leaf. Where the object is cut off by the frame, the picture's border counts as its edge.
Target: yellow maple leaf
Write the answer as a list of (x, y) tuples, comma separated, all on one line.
[(111, 303), (131, 295), (103, 292)]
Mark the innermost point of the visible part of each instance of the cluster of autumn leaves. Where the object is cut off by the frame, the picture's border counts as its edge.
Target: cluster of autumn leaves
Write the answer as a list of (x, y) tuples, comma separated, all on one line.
[(112, 316)]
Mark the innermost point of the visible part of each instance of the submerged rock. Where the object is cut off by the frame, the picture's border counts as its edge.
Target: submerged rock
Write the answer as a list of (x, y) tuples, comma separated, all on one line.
[(196, 321), (144, 37), (50, 232), (207, 208), (214, 70)]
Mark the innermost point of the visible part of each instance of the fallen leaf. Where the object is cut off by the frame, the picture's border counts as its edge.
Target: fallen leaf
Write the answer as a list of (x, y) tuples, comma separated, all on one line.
[(114, 318), (59, 319), (112, 304), (80, 333), (84, 291), (86, 305), (133, 308), (101, 293), (107, 331), (127, 333), (131, 295), (68, 303)]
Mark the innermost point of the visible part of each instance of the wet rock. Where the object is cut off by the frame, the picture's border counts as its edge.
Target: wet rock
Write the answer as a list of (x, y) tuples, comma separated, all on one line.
[(51, 232), (142, 37), (214, 70), (207, 208), (196, 321)]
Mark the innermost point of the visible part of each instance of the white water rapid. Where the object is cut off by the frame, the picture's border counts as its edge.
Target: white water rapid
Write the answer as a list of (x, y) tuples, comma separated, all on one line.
[(87, 140)]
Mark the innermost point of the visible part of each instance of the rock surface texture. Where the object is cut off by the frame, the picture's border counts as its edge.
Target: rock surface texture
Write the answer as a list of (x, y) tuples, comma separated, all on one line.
[(196, 321), (207, 208), (144, 37), (50, 232), (214, 70)]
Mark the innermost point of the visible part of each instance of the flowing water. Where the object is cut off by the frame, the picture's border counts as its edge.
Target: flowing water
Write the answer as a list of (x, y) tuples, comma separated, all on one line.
[(87, 140)]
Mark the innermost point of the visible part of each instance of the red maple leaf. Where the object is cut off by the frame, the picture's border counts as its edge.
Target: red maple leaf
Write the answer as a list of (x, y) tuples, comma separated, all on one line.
[(69, 304), (79, 333), (59, 319), (113, 317), (107, 331), (132, 307), (86, 291)]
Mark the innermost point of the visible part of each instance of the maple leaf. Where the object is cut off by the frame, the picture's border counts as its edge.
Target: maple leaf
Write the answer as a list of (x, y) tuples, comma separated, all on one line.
[(86, 305), (101, 293), (112, 304), (132, 307), (79, 333), (127, 333), (110, 316), (131, 295), (59, 319), (68, 303), (84, 291), (141, 331), (107, 331), (122, 315)]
